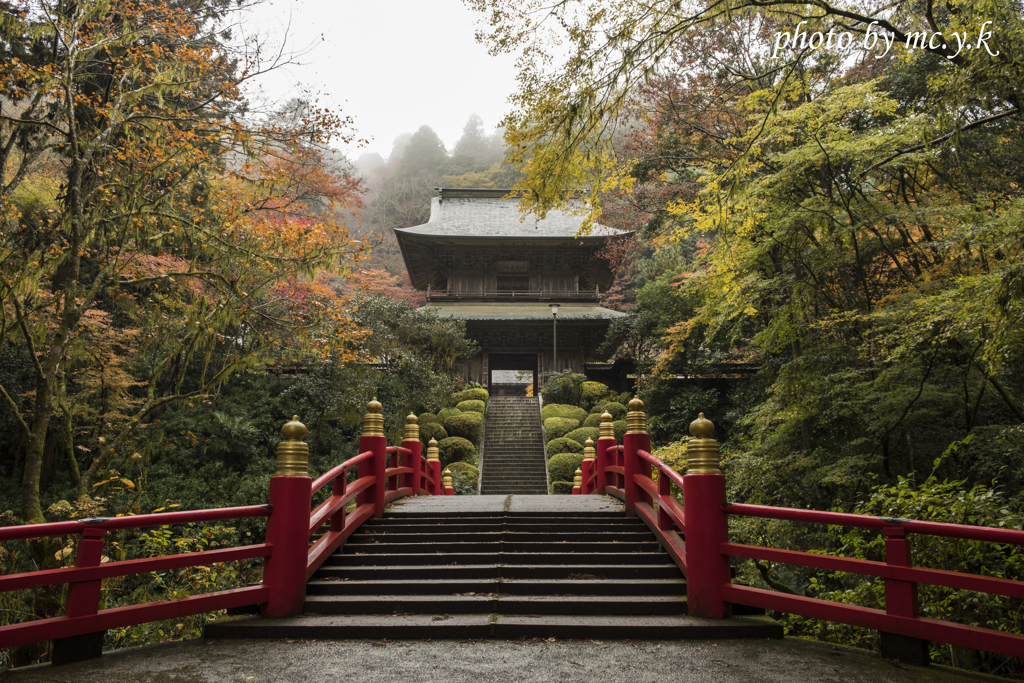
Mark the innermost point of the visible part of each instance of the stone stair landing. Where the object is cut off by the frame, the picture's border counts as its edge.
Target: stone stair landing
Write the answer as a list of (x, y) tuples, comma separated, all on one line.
[(513, 455)]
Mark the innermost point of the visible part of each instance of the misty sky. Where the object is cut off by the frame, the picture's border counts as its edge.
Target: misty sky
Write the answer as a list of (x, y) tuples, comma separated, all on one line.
[(394, 65)]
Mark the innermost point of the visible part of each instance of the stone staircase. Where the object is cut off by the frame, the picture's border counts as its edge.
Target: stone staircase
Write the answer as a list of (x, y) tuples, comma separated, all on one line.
[(513, 454), (483, 574)]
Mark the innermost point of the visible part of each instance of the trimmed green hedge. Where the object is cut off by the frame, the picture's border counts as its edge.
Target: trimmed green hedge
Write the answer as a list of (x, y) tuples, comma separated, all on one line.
[(561, 488), (472, 406), (583, 433), (431, 430), (594, 392), (456, 449), (444, 414), (593, 420), (428, 418), (555, 427), (620, 429), (468, 425), (617, 410), (563, 410), (465, 468), (472, 395), (564, 445), (563, 466)]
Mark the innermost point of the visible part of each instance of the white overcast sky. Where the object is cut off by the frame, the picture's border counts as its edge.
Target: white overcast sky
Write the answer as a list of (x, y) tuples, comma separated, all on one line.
[(393, 65)]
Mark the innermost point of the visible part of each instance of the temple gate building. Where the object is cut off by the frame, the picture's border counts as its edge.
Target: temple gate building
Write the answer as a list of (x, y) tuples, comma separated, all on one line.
[(478, 261)]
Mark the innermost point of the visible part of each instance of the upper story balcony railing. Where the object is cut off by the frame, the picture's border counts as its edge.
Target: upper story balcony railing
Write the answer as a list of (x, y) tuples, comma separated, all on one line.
[(511, 295)]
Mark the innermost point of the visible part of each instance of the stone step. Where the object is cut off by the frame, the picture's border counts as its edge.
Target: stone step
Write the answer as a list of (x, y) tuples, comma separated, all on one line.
[(520, 558), (535, 587), (577, 572), (497, 602), (499, 536)]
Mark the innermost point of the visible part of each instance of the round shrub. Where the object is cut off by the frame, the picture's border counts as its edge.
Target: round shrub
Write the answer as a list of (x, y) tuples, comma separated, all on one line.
[(555, 427), (561, 488), (617, 410), (594, 392), (428, 418), (466, 469), (624, 398), (472, 406), (583, 433), (563, 410), (431, 430), (456, 449), (444, 414), (620, 429), (564, 445), (468, 425), (593, 420), (563, 466), (472, 395), (598, 408)]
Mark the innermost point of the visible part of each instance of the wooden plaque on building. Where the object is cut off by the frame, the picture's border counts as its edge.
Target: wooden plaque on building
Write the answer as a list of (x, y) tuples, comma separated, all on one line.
[(513, 266)]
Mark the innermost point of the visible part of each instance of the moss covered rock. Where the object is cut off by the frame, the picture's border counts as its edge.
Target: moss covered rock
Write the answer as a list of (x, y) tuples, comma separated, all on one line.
[(456, 449), (477, 394), (555, 427), (583, 433), (432, 430), (564, 445), (563, 410), (444, 414), (468, 425), (472, 406), (561, 488), (563, 466)]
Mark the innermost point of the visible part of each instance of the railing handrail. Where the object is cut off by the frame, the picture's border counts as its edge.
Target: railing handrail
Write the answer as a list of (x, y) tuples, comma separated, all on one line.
[(72, 527), (332, 473), (664, 469)]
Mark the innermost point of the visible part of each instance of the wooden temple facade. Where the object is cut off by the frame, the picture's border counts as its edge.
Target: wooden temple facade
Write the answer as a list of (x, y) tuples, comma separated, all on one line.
[(478, 261)]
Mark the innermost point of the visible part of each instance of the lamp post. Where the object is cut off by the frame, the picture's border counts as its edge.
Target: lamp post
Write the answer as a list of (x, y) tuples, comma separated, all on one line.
[(554, 322)]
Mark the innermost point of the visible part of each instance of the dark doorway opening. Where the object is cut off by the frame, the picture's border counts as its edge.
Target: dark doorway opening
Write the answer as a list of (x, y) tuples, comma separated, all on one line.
[(505, 362)]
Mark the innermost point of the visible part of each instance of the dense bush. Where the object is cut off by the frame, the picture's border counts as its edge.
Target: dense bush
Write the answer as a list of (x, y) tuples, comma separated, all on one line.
[(620, 429), (561, 488), (469, 426), (564, 445), (472, 406), (593, 420), (428, 418), (593, 392), (444, 414), (563, 466), (563, 387), (617, 410), (555, 427), (563, 410), (432, 430), (456, 449), (472, 395), (466, 468), (583, 433), (465, 478)]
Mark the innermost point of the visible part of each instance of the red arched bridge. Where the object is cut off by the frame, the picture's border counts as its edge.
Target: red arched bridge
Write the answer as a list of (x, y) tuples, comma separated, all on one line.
[(629, 572)]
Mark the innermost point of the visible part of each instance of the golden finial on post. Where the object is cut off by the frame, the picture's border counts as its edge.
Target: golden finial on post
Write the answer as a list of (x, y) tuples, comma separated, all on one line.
[(589, 452), (412, 428), (373, 421), (432, 451), (577, 480), (446, 478), (292, 453), (702, 455), (607, 429), (636, 418)]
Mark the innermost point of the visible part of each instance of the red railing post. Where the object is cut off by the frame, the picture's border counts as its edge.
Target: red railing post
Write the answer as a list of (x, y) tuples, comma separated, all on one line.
[(373, 439), (636, 438), (664, 491), (446, 481), (338, 518), (434, 466), (606, 441), (288, 526), (577, 482), (707, 527), (901, 600), (587, 467), (411, 440), (83, 600)]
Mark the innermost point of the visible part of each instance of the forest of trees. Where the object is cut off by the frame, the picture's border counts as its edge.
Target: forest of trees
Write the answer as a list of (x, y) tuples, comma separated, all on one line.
[(181, 271)]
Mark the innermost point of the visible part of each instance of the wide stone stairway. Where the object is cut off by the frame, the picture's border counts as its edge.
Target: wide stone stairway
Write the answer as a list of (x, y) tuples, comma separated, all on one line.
[(485, 567), (513, 454)]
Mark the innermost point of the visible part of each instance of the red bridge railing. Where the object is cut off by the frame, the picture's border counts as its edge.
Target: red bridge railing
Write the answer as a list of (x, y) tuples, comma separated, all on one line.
[(383, 474), (696, 535)]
